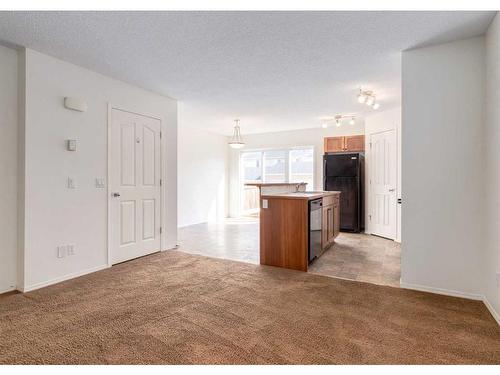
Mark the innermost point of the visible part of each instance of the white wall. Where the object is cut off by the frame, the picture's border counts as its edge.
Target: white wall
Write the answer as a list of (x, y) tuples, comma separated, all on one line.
[(378, 122), (8, 169), (55, 215), (202, 181), (491, 261), (294, 138), (443, 92)]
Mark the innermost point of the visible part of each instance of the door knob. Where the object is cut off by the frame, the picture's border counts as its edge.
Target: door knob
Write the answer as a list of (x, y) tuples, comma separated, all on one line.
[(391, 190), (115, 195)]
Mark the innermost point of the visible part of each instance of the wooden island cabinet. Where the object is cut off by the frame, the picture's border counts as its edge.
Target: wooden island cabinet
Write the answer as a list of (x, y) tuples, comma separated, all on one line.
[(284, 227), (331, 220)]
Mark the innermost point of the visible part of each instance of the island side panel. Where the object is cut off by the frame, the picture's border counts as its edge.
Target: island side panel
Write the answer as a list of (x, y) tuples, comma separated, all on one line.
[(284, 233)]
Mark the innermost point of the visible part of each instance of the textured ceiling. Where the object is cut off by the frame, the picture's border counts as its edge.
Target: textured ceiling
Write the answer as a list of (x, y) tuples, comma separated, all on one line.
[(274, 70)]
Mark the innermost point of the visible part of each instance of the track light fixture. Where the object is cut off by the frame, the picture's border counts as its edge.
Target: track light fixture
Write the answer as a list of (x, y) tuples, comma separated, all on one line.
[(338, 119), (361, 97), (368, 97)]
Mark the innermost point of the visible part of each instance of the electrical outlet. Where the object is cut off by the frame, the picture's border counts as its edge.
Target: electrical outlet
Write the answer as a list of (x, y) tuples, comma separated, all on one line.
[(71, 249), (61, 251)]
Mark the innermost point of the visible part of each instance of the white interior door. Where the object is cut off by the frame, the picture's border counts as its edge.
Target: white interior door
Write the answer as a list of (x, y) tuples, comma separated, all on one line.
[(383, 180), (135, 174)]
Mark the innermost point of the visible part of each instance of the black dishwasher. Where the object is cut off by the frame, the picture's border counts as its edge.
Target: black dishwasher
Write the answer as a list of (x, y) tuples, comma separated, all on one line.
[(315, 225)]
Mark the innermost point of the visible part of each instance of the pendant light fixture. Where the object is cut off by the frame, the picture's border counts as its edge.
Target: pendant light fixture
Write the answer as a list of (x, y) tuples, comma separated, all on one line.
[(236, 140)]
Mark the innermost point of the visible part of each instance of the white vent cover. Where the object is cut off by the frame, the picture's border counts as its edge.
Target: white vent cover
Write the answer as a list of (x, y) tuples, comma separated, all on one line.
[(75, 104)]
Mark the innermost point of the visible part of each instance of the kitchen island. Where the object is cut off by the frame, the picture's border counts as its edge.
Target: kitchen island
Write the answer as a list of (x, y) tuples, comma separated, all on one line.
[(297, 227), (253, 190)]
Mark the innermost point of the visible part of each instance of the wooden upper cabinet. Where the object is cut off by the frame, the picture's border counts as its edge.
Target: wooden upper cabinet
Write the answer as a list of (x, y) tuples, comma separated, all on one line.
[(350, 143), (334, 144), (354, 143)]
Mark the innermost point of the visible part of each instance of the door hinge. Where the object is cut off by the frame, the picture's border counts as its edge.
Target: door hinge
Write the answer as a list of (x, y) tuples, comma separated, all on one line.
[(161, 230), (370, 145), (161, 182), (160, 135)]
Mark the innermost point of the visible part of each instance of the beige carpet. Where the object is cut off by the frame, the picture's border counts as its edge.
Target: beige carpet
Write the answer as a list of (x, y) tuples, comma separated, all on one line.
[(179, 308)]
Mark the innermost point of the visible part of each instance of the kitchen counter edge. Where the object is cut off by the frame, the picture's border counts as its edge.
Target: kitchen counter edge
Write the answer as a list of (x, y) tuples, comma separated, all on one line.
[(305, 195)]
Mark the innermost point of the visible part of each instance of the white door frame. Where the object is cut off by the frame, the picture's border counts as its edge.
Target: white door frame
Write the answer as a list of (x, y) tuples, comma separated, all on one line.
[(108, 189)]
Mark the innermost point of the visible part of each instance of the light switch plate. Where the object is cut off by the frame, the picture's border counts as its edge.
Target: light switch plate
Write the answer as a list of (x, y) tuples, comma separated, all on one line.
[(61, 251), (71, 144), (71, 183), (71, 249), (265, 203)]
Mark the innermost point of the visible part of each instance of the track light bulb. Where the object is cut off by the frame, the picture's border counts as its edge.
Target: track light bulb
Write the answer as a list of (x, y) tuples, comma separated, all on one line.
[(376, 106), (337, 122), (352, 121), (370, 100), (361, 98), (324, 125)]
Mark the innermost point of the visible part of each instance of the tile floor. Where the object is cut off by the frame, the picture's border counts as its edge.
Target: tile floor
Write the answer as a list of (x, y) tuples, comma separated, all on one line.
[(234, 239), (358, 257), (361, 257)]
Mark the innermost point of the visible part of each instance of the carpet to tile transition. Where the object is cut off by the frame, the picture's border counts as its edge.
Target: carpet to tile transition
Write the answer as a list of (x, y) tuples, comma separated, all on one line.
[(175, 308)]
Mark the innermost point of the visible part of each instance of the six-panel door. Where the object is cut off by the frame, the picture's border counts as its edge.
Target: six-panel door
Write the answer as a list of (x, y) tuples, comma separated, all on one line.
[(135, 185), (383, 183)]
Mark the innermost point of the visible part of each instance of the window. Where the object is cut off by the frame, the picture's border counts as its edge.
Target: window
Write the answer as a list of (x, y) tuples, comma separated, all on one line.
[(282, 165), (275, 166), (302, 166), (252, 166)]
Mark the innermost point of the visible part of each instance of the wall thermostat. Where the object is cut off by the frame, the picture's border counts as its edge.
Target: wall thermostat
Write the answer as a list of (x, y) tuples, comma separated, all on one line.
[(71, 144)]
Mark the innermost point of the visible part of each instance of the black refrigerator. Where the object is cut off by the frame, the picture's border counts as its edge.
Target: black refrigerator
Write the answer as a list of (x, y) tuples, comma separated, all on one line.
[(344, 172)]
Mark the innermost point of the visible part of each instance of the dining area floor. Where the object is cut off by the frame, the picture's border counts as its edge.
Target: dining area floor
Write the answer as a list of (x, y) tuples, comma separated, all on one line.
[(353, 256)]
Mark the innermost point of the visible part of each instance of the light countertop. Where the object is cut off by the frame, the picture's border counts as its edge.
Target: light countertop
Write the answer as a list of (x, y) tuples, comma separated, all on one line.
[(302, 195), (275, 183)]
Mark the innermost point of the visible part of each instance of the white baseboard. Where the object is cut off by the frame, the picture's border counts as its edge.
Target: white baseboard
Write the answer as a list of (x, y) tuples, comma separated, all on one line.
[(446, 292), (6, 290), (42, 284), (454, 293), (494, 313), (172, 246)]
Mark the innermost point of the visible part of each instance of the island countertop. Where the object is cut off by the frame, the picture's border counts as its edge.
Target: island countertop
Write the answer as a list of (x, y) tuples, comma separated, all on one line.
[(263, 184), (308, 195)]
